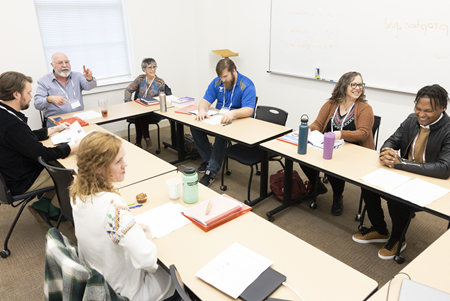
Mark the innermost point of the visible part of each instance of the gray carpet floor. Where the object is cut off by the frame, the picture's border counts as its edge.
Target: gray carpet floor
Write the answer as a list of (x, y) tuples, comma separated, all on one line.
[(22, 273)]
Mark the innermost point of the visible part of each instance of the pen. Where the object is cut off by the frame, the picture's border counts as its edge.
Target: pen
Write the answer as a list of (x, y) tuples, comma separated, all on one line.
[(227, 123), (208, 209), (135, 206)]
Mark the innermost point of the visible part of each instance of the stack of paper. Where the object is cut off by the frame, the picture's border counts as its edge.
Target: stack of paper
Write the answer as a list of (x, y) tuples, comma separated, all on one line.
[(182, 100), (315, 139), (149, 100), (163, 219), (69, 135), (233, 270), (88, 115), (210, 112), (213, 210)]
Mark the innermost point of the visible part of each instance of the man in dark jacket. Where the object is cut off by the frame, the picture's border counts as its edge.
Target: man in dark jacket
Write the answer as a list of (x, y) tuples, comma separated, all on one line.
[(420, 145), (20, 146)]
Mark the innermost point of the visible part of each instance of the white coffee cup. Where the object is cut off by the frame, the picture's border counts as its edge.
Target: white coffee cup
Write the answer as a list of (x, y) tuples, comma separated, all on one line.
[(174, 186)]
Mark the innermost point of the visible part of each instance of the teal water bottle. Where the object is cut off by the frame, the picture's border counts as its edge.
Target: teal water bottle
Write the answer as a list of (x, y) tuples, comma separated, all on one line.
[(190, 185), (303, 135)]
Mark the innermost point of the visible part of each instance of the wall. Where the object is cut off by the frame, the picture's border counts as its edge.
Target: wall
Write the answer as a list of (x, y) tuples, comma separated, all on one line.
[(180, 35)]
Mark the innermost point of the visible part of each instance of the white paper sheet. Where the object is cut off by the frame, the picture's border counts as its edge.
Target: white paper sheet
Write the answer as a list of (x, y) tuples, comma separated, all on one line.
[(210, 112), (163, 219), (69, 135), (385, 179), (419, 192), (233, 270), (215, 120), (88, 115), (315, 139)]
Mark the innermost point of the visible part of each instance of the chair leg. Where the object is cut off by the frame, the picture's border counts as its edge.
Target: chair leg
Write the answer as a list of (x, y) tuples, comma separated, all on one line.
[(159, 143), (358, 215), (129, 124), (399, 258), (361, 223), (225, 161), (250, 183), (59, 220), (5, 253)]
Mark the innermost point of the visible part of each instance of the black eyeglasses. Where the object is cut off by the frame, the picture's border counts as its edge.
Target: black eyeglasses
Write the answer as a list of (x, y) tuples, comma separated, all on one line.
[(152, 67), (354, 85)]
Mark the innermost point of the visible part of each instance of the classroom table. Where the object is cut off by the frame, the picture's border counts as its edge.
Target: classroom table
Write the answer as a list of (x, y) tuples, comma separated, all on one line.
[(314, 274), (141, 164), (246, 131), (430, 268), (350, 162), (116, 112)]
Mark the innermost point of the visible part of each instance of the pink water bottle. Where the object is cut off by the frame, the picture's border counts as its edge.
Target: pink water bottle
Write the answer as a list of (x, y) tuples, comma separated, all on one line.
[(328, 145)]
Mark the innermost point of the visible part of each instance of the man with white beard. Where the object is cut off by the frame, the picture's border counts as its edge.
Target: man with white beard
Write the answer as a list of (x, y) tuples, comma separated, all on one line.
[(59, 92)]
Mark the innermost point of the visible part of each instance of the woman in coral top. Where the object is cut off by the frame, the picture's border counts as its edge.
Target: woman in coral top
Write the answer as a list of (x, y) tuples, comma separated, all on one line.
[(350, 117)]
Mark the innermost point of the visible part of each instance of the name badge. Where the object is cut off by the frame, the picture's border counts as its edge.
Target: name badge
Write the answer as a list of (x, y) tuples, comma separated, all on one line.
[(224, 110), (75, 104)]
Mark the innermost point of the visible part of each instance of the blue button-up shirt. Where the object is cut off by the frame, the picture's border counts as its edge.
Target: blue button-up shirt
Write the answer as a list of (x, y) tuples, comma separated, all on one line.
[(48, 85)]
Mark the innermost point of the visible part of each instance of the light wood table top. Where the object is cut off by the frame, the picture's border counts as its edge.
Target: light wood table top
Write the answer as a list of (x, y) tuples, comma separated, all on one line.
[(141, 164), (307, 269), (248, 131), (116, 112), (430, 268), (351, 162)]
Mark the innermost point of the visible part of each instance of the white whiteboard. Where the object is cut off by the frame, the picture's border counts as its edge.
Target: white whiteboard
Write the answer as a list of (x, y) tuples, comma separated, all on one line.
[(397, 45)]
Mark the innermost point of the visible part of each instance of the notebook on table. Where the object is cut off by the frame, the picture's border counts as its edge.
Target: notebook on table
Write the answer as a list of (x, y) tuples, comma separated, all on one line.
[(263, 286), (414, 291)]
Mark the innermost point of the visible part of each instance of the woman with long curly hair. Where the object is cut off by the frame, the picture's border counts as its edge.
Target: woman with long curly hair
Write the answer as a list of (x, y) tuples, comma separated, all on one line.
[(109, 239), (350, 117)]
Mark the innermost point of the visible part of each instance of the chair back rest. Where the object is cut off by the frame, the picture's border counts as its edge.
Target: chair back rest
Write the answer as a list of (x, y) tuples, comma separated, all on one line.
[(43, 119), (5, 193), (254, 109), (178, 283), (62, 178), (376, 129), (66, 278), (271, 114)]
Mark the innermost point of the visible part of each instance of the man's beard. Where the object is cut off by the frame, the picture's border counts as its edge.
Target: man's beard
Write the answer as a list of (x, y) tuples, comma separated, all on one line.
[(229, 85), (64, 72)]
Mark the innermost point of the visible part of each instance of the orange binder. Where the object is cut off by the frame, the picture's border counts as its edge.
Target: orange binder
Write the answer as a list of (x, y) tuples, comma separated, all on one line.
[(235, 210), (186, 109), (72, 120), (146, 105)]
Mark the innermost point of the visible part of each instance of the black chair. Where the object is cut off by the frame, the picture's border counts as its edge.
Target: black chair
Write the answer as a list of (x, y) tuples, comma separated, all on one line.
[(375, 131), (183, 291), (43, 119), (63, 179), (6, 198), (253, 155), (154, 120)]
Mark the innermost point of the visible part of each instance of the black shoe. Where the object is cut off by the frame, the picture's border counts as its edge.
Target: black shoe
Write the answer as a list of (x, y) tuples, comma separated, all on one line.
[(56, 217), (202, 167), (338, 205), (41, 217), (321, 189), (207, 179)]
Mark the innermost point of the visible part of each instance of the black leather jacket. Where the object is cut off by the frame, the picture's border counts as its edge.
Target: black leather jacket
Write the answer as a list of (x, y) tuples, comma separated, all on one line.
[(437, 151)]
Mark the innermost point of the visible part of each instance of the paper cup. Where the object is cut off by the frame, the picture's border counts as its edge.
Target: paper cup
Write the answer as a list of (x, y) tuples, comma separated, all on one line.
[(174, 186)]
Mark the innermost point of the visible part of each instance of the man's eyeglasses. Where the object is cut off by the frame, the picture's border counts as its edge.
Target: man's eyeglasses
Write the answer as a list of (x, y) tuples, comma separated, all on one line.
[(355, 85), (152, 67), (62, 62)]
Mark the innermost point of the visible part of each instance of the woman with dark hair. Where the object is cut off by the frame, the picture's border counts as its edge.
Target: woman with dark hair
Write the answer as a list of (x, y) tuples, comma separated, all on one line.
[(109, 239), (145, 85), (350, 117)]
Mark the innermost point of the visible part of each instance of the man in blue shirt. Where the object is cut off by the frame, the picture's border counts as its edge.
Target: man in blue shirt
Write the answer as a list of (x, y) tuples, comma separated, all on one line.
[(236, 97), (59, 92)]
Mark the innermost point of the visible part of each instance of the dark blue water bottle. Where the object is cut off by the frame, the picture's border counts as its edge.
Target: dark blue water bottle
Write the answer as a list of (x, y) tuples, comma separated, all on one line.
[(303, 135)]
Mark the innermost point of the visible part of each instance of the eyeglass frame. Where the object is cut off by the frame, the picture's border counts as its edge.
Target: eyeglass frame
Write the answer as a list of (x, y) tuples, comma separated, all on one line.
[(362, 85), (63, 62), (151, 67)]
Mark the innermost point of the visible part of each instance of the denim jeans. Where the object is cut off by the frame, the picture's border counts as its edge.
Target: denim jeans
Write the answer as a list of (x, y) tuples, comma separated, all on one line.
[(214, 156)]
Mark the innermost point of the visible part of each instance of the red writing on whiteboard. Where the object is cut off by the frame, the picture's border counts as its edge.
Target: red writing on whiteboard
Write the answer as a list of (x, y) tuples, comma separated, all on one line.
[(424, 27), (442, 55), (388, 24)]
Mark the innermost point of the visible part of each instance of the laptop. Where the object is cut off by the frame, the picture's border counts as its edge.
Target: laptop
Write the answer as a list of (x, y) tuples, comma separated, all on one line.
[(263, 286), (414, 291)]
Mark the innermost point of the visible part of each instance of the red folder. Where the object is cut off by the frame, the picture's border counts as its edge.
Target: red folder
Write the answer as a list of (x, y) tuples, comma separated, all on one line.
[(72, 120), (186, 109), (223, 218)]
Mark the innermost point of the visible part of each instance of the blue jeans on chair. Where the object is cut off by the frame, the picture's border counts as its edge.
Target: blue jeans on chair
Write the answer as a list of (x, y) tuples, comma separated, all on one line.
[(214, 156)]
